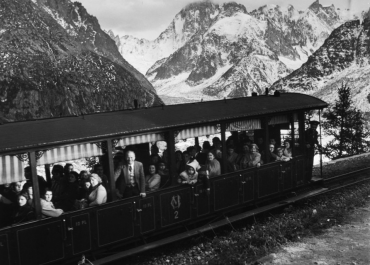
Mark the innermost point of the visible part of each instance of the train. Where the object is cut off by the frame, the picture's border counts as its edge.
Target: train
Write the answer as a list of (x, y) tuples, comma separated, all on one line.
[(126, 222)]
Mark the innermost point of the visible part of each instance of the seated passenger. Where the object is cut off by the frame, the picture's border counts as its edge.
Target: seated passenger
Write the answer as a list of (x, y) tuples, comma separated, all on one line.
[(231, 158), (273, 142), (28, 176), (287, 150), (29, 192), (243, 159), (24, 212), (154, 159), (153, 180), (70, 194), (186, 156), (68, 168), (131, 181), (280, 155), (180, 163), (213, 166), (164, 173), (47, 207), (84, 189), (260, 144), (255, 157), (201, 157), (190, 175), (98, 169), (272, 154), (98, 194), (58, 182)]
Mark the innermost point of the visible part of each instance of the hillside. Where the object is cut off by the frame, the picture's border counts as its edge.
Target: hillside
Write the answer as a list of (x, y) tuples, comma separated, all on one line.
[(343, 58), (56, 61)]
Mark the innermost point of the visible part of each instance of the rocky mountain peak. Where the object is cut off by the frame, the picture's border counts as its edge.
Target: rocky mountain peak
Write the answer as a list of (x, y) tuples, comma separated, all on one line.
[(326, 13), (230, 8)]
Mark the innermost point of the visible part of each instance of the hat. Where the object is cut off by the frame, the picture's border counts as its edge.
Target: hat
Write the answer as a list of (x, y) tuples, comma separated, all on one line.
[(314, 122)]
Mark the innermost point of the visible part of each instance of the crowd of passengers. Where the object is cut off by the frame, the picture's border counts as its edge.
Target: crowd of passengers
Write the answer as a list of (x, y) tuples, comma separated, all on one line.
[(68, 190)]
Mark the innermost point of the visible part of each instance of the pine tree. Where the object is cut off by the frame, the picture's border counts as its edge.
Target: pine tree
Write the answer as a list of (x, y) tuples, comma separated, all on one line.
[(346, 125)]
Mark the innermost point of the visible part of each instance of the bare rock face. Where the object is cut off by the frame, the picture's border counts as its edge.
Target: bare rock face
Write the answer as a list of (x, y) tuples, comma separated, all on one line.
[(56, 61), (343, 58)]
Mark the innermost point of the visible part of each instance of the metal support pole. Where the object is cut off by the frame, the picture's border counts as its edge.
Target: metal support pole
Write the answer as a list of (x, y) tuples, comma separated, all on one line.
[(266, 139), (35, 185), (292, 135), (224, 150), (112, 182), (320, 144), (171, 156)]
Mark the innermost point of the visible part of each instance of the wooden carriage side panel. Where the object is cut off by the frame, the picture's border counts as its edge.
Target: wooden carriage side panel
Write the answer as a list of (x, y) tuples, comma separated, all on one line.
[(202, 200), (81, 237), (248, 186), (4, 250), (175, 206), (300, 170), (41, 244), (147, 214), (226, 192), (268, 180), (115, 223), (287, 175)]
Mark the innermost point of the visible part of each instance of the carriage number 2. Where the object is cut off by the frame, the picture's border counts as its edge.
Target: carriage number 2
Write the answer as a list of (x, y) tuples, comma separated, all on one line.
[(176, 214)]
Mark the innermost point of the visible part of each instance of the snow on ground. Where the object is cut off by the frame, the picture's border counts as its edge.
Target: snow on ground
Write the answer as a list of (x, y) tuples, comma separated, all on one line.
[(177, 87)]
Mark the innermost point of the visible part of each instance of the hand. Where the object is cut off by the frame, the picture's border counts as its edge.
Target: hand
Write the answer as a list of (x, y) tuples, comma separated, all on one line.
[(143, 195)]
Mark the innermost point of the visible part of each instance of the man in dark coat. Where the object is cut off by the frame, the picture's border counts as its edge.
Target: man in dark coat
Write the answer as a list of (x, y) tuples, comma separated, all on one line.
[(311, 137), (131, 181)]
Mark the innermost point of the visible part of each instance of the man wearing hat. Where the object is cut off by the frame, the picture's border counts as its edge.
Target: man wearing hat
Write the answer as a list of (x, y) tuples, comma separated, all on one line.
[(131, 181), (311, 137)]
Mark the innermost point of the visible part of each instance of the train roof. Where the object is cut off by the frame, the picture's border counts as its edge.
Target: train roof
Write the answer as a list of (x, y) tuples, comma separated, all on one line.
[(18, 136)]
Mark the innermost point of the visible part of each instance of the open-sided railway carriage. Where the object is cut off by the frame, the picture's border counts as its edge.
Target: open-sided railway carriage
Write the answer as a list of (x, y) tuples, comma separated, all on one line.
[(48, 141)]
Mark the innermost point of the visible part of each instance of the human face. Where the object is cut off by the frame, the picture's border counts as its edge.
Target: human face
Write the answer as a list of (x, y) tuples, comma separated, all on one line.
[(22, 201), (99, 171), (272, 148), (30, 191), (210, 156), (178, 157), (162, 166), (190, 171), (272, 141), (245, 148), (70, 168), (84, 175), (71, 178), (130, 158), (230, 151), (287, 144), (254, 149), (87, 185), (28, 174), (18, 186), (186, 157), (94, 182), (48, 196), (280, 152), (152, 169)]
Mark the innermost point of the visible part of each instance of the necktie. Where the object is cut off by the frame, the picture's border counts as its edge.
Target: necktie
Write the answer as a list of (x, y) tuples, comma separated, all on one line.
[(131, 175)]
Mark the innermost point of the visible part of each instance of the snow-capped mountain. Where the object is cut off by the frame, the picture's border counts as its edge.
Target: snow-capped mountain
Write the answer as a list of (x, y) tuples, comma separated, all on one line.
[(343, 58), (214, 51), (56, 60)]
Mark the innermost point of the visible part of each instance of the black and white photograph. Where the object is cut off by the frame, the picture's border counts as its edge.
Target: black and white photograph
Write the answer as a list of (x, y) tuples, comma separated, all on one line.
[(183, 132)]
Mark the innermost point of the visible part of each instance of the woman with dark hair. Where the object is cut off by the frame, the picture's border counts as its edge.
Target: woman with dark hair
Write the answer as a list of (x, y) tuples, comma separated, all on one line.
[(213, 166), (98, 193), (153, 180), (70, 194), (287, 149), (58, 182), (47, 207), (154, 159), (68, 168), (23, 211)]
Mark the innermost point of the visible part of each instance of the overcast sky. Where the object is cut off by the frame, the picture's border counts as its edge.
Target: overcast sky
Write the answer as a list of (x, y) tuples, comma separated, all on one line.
[(148, 18)]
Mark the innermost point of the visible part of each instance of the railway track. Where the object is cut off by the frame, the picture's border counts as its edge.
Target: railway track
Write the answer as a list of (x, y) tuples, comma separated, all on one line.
[(319, 187)]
